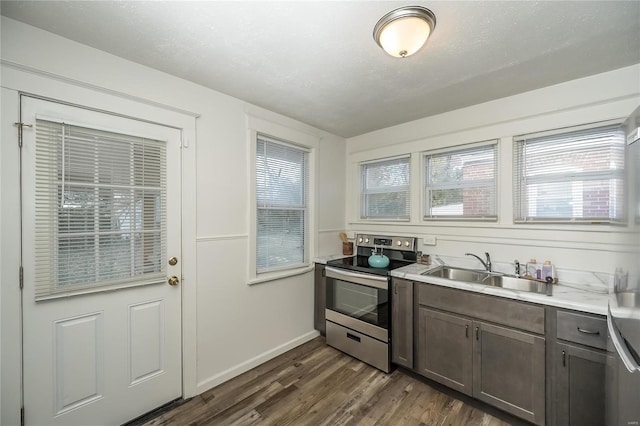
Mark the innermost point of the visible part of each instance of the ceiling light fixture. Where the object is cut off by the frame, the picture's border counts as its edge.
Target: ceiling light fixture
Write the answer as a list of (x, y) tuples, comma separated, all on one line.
[(402, 32)]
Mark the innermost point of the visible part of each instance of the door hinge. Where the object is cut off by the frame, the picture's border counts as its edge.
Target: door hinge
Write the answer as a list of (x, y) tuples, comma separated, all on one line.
[(21, 277), (20, 127)]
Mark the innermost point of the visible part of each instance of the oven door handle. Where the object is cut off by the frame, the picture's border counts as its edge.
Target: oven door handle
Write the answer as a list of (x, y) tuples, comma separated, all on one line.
[(621, 347), (357, 278)]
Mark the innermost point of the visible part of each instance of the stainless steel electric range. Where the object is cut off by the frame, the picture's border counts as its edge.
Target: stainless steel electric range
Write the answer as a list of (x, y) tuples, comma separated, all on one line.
[(358, 310)]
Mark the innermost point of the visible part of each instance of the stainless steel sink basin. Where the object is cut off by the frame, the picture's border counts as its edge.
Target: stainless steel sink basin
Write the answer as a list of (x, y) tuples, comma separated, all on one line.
[(628, 299), (489, 278), (458, 274), (513, 283)]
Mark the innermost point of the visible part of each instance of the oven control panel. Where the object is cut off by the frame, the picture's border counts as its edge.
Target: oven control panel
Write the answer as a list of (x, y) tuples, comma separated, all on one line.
[(386, 242)]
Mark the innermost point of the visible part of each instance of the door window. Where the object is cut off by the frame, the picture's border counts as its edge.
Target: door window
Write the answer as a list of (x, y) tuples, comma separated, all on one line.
[(100, 220)]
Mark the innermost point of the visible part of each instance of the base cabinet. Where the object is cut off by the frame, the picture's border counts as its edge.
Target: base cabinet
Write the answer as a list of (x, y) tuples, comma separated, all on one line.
[(445, 349), (320, 299), (402, 322), (580, 385), (497, 364), (509, 370), (578, 366)]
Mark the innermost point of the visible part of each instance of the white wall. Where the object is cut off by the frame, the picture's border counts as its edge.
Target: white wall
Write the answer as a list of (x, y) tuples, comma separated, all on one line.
[(605, 96), (232, 326)]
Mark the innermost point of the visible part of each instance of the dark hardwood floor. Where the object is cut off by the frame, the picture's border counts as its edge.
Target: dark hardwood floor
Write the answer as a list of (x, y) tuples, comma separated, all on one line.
[(315, 384)]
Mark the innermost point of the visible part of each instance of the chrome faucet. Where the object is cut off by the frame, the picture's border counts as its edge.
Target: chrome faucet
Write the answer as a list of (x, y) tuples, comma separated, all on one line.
[(487, 264), (517, 268)]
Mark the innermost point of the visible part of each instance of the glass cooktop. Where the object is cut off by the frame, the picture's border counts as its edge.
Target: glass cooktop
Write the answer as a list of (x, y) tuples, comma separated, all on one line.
[(361, 264)]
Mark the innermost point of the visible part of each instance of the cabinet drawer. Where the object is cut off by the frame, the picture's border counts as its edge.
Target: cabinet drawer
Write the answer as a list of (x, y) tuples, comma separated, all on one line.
[(360, 346), (583, 329), (495, 309)]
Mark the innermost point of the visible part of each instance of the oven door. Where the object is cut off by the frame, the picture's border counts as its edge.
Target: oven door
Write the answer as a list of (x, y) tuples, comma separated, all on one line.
[(359, 301)]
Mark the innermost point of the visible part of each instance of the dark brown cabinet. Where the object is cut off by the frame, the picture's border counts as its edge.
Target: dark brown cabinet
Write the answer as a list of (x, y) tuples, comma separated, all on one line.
[(580, 386), (445, 349), (576, 346), (491, 361), (509, 370), (320, 299), (402, 322)]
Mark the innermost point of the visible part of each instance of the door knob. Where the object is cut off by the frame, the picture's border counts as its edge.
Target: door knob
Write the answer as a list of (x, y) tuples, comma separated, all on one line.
[(173, 261), (173, 280)]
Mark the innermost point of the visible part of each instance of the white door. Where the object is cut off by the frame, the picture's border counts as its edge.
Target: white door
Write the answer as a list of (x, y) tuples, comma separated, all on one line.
[(101, 221)]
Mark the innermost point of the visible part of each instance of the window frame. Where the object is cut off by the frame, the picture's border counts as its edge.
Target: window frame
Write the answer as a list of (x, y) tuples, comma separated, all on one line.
[(425, 189), (521, 200), (363, 193), (297, 138)]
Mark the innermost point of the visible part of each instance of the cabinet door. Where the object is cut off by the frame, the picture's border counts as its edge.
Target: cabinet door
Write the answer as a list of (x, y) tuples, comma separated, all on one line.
[(445, 349), (580, 386), (509, 370), (402, 322), (320, 299)]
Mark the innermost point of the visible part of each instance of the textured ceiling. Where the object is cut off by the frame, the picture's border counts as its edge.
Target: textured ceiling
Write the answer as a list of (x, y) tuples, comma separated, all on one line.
[(317, 61)]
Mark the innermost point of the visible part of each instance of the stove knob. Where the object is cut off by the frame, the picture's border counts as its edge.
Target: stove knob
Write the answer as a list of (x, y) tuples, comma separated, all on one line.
[(360, 240), (399, 243), (366, 240), (406, 244)]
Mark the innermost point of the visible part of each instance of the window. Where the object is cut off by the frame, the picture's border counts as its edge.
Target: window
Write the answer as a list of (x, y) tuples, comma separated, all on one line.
[(574, 175), (461, 183), (282, 176), (385, 189), (101, 197)]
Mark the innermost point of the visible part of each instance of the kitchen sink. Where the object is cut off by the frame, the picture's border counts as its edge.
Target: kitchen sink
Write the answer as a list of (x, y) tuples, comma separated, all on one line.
[(513, 283), (458, 274), (489, 278), (628, 299)]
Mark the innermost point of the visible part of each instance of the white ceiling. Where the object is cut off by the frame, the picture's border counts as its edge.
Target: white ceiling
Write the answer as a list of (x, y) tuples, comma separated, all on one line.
[(316, 61)]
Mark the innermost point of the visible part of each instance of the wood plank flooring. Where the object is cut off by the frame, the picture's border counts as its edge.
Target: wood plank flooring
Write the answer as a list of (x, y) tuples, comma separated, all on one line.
[(315, 384)]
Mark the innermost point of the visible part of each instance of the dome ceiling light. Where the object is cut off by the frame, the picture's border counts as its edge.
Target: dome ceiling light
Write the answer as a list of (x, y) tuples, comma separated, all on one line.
[(402, 32)]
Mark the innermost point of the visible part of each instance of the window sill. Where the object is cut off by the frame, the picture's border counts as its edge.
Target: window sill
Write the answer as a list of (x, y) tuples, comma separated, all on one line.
[(273, 276)]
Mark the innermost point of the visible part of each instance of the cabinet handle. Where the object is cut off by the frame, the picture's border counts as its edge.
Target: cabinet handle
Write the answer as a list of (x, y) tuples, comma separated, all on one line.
[(324, 272), (582, 330), (395, 288), (466, 331), (477, 333), (564, 359)]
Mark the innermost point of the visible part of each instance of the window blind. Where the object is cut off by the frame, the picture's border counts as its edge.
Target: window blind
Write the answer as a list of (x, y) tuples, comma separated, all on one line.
[(282, 179), (461, 184), (100, 210), (385, 189), (574, 175)]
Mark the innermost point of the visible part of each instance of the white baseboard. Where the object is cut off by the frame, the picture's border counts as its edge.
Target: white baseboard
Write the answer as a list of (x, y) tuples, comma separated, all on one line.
[(235, 371)]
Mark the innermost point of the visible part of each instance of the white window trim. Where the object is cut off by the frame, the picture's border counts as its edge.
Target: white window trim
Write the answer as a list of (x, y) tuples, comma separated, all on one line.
[(294, 137), (423, 179)]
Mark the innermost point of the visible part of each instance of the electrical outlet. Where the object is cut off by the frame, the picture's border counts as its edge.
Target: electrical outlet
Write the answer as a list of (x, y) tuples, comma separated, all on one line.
[(428, 240)]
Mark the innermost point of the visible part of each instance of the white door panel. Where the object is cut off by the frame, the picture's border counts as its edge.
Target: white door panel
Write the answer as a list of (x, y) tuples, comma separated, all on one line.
[(110, 354)]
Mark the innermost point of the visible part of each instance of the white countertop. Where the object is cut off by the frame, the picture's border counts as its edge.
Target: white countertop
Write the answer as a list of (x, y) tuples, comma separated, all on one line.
[(564, 296), (580, 291)]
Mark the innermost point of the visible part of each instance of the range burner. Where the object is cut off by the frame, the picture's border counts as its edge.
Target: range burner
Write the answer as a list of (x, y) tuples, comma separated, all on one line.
[(401, 251), (361, 263)]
